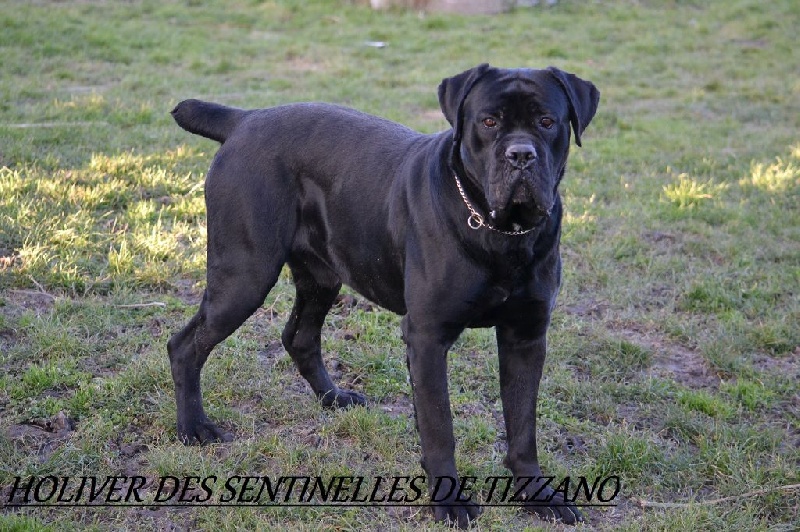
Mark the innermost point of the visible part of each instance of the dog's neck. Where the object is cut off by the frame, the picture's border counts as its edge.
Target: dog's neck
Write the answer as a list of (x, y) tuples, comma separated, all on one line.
[(471, 185)]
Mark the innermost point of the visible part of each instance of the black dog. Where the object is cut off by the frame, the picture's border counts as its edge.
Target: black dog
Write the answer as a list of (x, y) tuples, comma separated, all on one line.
[(454, 230)]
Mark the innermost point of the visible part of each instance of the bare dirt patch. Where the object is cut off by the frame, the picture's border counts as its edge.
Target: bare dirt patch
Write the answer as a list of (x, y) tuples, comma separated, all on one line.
[(672, 360), (788, 365), (41, 437), (19, 301)]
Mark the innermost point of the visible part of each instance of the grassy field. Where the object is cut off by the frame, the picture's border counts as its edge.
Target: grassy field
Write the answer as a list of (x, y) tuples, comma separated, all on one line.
[(675, 348)]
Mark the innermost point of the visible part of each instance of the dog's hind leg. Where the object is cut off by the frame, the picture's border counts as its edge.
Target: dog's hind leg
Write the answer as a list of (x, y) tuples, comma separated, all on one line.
[(302, 334), (227, 302), (246, 251)]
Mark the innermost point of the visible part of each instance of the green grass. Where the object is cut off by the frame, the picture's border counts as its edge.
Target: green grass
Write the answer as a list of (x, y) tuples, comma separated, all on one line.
[(675, 348)]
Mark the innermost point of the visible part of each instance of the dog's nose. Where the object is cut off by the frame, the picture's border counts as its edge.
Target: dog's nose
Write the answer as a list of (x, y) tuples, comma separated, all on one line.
[(520, 155)]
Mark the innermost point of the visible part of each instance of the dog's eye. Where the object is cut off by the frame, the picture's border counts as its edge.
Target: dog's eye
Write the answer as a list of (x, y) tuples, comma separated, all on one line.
[(546, 122), (489, 122)]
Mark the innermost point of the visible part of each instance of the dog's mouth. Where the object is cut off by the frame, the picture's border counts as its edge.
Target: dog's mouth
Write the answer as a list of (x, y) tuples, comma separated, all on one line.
[(520, 200), (518, 218)]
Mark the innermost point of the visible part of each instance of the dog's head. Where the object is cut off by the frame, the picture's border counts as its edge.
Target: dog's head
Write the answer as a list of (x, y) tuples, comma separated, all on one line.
[(511, 132)]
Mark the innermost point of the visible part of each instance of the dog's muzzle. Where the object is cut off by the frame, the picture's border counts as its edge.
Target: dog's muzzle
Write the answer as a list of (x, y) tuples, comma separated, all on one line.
[(521, 189)]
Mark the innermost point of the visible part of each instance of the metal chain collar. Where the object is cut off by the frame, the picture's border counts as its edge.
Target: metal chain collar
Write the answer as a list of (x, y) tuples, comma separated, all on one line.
[(476, 221)]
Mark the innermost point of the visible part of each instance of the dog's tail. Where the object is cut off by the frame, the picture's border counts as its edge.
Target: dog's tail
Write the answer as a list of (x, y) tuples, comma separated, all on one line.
[(211, 120)]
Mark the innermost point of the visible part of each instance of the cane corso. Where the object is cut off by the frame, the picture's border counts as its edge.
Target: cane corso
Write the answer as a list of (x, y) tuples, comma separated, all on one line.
[(452, 230)]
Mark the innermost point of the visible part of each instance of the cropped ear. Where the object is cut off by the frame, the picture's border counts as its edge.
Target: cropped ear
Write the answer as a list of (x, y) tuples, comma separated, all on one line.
[(453, 91), (583, 98)]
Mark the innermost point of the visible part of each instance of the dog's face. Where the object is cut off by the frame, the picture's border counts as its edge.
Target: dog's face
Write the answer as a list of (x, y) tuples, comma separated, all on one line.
[(512, 132)]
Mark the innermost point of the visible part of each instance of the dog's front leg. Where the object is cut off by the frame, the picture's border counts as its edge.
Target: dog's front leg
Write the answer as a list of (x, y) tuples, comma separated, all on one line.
[(427, 365), (522, 354)]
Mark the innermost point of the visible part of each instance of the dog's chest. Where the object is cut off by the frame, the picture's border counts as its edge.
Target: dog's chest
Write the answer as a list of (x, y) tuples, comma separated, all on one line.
[(515, 281)]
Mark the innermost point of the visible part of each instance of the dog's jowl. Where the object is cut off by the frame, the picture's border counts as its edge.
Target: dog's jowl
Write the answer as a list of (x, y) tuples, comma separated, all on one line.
[(453, 230)]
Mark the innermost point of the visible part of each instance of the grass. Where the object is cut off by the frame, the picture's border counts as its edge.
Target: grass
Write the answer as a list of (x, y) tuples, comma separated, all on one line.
[(675, 348)]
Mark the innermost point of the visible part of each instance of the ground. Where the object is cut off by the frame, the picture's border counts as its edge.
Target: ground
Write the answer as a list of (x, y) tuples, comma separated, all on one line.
[(674, 355)]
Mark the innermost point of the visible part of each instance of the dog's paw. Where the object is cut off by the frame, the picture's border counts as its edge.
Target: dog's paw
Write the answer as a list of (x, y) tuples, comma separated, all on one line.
[(339, 398), (201, 432), (460, 514), (552, 507)]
